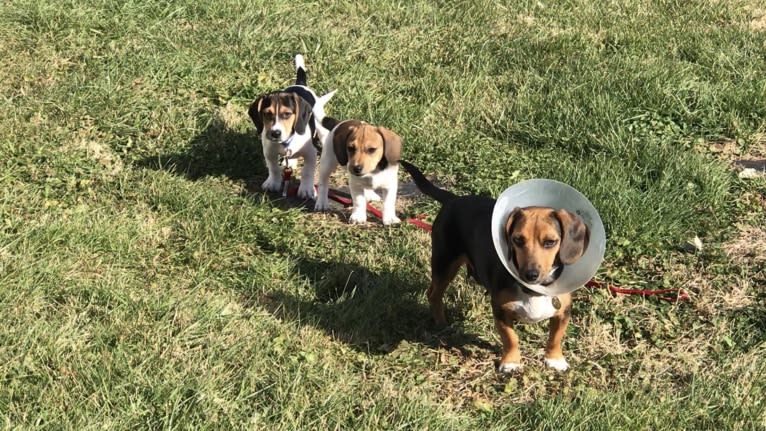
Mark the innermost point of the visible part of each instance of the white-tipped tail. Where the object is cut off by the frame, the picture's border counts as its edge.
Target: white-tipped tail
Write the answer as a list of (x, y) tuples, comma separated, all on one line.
[(318, 108), (299, 64)]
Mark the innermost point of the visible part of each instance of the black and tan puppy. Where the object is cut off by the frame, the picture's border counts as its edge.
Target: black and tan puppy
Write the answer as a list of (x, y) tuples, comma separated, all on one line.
[(544, 240)]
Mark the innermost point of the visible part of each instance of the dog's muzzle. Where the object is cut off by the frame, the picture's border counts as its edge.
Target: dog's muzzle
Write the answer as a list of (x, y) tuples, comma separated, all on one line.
[(275, 135)]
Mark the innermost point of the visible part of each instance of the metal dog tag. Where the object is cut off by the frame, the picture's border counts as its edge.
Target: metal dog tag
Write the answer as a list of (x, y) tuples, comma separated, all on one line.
[(556, 302)]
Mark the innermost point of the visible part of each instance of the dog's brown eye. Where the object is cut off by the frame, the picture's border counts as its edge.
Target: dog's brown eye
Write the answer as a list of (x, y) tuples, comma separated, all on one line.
[(268, 115), (371, 150), (518, 241), (351, 150), (548, 243), (285, 115)]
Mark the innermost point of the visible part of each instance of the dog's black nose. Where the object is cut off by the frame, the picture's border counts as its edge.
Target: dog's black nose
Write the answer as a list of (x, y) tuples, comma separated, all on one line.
[(531, 275), (275, 134), (356, 169)]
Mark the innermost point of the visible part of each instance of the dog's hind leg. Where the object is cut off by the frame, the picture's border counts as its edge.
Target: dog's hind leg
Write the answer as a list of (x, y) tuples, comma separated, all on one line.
[(443, 271), (327, 164)]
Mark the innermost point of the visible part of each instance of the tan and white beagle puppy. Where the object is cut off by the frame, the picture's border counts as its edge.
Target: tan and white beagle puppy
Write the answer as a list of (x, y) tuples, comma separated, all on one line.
[(285, 122), (371, 155)]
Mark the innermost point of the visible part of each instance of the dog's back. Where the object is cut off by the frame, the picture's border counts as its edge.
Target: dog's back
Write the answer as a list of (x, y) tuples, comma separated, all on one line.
[(461, 224), (302, 89)]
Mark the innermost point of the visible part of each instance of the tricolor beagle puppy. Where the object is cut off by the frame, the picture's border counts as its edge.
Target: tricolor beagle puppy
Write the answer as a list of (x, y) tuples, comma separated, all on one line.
[(371, 155), (285, 122), (543, 241)]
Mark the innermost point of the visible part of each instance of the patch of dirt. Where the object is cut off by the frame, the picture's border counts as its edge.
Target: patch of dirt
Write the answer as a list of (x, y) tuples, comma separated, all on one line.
[(749, 247), (757, 148), (748, 160), (86, 140), (753, 199), (103, 155), (725, 149), (232, 114), (758, 22)]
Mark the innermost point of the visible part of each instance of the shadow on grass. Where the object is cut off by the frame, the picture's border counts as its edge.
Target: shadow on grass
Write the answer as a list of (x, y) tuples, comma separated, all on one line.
[(371, 312), (217, 151), (222, 152)]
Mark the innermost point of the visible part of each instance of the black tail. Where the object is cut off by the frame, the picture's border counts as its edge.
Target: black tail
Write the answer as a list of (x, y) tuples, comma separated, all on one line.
[(329, 123), (301, 78), (300, 71), (425, 186)]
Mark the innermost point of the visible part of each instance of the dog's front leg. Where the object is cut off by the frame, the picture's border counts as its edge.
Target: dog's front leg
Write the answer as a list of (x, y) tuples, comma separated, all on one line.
[(511, 359), (306, 189), (359, 209), (389, 205), (554, 357), (271, 156)]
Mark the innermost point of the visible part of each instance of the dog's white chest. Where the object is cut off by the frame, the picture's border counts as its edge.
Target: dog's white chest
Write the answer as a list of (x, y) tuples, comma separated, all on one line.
[(379, 180), (533, 309)]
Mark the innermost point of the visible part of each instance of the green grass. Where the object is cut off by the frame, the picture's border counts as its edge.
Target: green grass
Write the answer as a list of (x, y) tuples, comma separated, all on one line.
[(145, 282)]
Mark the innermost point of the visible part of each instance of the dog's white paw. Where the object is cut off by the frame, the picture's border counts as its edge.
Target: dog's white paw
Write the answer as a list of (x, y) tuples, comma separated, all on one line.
[(389, 220), (321, 204), (560, 364), (272, 184), (306, 191), (358, 218), (509, 368)]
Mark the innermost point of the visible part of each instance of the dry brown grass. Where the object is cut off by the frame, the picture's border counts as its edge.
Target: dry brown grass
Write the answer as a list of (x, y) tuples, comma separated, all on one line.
[(758, 22), (748, 247)]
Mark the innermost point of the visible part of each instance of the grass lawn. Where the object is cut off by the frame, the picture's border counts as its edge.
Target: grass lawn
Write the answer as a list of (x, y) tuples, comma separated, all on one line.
[(147, 283)]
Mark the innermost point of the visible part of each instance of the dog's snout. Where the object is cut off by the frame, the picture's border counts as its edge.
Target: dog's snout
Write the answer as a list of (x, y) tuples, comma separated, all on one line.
[(275, 134), (356, 169), (532, 274)]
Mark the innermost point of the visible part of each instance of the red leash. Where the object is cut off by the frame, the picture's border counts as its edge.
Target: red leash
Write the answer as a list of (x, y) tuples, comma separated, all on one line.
[(346, 202), (670, 295)]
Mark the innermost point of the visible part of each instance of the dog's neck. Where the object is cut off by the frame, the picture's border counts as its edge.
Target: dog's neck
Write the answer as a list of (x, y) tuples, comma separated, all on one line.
[(286, 143), (553, 275)]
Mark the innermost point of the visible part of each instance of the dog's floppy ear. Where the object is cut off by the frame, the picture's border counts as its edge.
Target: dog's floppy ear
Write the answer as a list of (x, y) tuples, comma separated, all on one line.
[(392, 145), (340, 140), (513, 217), (255, 112), (302, 114), (575, 236)]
